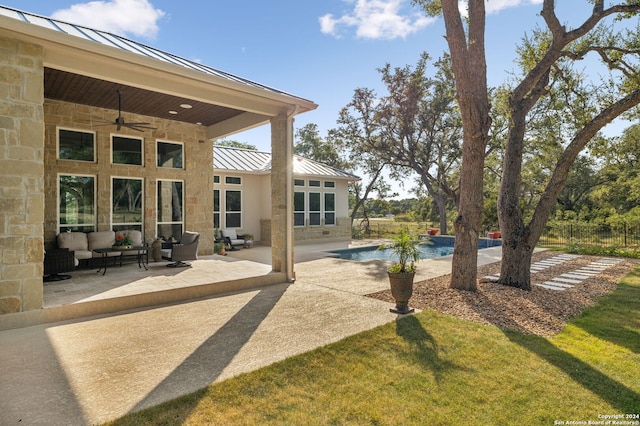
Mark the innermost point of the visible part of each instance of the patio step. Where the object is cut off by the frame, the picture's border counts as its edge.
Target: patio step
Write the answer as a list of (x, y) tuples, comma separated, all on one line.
[(121, 304)]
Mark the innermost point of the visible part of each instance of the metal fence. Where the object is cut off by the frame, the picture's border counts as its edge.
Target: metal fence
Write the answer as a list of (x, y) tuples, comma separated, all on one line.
[(605, 235), (375, 228)]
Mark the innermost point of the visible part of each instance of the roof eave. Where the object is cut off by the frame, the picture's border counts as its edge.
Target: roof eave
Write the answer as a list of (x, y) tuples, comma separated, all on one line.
[(74, 54)]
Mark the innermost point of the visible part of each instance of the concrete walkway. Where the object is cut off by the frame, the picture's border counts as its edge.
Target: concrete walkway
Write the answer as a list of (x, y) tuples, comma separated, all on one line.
[(91, 370)]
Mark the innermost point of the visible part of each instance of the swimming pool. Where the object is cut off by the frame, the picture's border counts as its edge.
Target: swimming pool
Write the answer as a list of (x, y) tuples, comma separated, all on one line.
[(440, 246)]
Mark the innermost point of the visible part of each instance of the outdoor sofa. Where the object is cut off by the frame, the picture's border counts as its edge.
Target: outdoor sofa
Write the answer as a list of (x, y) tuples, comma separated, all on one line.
[(83, 244)]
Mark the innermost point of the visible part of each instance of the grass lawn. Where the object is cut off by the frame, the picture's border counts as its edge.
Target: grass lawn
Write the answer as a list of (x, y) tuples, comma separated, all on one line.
[(438, 370)]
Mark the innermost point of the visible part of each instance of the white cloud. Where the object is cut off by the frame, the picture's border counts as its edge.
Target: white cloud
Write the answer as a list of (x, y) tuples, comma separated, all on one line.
[(495, 6), (377, 19), (123, 17)]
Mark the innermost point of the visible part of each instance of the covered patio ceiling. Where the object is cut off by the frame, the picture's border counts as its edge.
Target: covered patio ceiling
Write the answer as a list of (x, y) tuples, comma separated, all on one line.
[(69, 87), (87, 66)]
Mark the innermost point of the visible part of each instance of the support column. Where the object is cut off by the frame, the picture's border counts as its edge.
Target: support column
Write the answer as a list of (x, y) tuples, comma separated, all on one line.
[(22, 176), (282, 195)]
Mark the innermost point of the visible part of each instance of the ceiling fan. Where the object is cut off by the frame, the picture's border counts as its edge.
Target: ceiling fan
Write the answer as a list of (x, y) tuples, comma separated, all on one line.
[(120, 123)]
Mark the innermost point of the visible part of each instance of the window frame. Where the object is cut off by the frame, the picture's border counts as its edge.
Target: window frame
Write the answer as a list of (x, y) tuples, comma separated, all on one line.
[(325, 211), (313, 214), (216, 209), (228, 212), (181, 144), (123, 226), (171, 223), (227, 182), (89, 226), (69, 129), (140, 139), (303, 212)]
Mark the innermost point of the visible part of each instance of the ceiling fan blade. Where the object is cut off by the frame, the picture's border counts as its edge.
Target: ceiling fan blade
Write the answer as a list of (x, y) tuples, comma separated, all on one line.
[(139, 128), (138, 123)]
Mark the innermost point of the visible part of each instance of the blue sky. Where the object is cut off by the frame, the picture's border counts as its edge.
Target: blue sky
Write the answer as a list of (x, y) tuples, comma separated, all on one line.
[(318, 50), (287, 44)]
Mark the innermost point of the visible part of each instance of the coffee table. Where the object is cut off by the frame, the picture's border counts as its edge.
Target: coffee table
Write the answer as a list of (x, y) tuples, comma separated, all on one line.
[(140, 251)]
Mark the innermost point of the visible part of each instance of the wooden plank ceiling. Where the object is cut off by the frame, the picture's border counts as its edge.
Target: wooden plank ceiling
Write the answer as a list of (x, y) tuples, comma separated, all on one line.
[(69, 87)]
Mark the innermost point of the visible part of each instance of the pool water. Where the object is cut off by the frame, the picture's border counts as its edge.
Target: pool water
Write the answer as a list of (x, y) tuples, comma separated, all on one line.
[(438, 246), (372, 253)]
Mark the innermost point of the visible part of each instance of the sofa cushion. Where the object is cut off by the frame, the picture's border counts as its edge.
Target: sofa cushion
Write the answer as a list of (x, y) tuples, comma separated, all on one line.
[(73, 241), (101, 239), (76, 242), (230, 233)]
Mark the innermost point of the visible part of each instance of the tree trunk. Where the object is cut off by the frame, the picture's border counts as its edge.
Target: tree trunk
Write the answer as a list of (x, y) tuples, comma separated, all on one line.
[(515, 269), (467, 225), (470, 70), (442, 212)]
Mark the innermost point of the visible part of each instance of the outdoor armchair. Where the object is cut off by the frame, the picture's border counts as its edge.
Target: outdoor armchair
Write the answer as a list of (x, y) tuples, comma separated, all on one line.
[(232, 239), (57, 261), (186, 249)]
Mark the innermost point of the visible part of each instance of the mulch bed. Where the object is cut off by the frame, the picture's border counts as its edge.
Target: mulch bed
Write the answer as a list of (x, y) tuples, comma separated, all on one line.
[(540, 311)]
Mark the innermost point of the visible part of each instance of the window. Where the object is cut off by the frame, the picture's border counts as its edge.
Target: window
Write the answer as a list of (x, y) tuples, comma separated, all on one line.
[(315, 183), (170, 155), (329, 208), (233, 209), (329, 184), (298, 182), (76, 145), (125, 150), (126, 204), (216, 208), (170, 208), (298, 209), (314, 208), (231, 180), (76, 206), (216, 179)]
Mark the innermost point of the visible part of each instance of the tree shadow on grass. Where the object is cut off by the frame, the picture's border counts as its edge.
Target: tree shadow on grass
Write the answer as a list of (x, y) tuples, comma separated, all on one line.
[(424, 347), (621, 397), (616, 318)]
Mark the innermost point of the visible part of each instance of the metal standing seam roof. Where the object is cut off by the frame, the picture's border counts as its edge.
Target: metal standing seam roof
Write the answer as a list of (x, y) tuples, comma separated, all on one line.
[(249, 161), (123, 43)]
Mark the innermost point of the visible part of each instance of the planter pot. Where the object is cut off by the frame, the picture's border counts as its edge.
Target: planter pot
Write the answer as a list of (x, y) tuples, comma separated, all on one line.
[(156, 250), (401, 290)]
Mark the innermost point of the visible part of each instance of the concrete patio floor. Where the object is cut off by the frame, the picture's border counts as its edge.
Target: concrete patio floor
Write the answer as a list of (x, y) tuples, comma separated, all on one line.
[(92, 369)]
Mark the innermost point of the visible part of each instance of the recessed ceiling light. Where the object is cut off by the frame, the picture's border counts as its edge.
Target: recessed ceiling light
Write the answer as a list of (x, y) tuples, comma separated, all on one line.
[(173, 112), (185, 106)]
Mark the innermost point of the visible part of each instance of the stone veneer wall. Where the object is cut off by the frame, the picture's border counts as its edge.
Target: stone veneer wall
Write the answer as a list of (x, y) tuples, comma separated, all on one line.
[(197, 174), (21, 174), (313, 234)]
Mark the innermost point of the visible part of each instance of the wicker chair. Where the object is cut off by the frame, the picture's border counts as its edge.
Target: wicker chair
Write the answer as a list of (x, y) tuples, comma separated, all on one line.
[(186, 249), (57, 261)]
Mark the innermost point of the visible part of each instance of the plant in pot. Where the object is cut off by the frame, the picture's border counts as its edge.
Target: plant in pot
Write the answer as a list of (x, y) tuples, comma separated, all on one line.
[(402, 272), (248, 240), (220, 248)]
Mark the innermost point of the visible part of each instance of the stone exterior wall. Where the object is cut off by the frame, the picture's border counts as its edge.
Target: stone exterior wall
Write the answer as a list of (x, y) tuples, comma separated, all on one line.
[(197, 174), (341, 231), (21, 173)]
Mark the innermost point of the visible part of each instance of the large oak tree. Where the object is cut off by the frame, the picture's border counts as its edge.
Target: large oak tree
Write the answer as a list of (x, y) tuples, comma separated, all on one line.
[(547, 58)]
